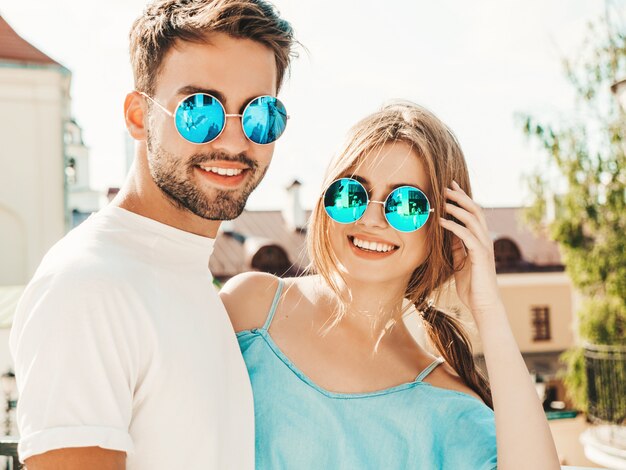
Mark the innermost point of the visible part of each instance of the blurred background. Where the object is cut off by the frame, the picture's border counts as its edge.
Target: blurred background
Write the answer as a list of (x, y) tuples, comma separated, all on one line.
[(531, 88)]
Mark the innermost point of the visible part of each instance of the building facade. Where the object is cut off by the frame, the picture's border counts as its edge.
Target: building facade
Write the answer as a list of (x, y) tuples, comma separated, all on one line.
[(34, 107), (45, 164), (44, 182)]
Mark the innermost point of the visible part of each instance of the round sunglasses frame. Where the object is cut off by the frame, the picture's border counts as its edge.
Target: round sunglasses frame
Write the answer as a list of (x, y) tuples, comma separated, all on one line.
[(226, 115), (382, 203)]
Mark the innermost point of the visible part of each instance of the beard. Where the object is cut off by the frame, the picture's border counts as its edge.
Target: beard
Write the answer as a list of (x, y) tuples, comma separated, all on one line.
[(176, 180)]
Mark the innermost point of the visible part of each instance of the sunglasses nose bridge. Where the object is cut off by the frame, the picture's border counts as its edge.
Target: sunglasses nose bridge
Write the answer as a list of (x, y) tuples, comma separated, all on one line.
[(376, 219), (383, 205), (240, 116), (232, 138)]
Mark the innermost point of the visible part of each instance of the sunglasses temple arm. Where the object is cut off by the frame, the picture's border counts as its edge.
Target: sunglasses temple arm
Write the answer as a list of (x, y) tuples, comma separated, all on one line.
[(165, 110)]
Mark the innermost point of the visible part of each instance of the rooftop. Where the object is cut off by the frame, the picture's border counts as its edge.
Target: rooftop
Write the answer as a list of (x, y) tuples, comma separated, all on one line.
[(13, 48), (518, 249)]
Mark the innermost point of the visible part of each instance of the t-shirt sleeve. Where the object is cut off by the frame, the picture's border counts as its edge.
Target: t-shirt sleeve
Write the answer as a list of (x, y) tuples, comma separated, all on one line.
[(75, 364), (472, 439)]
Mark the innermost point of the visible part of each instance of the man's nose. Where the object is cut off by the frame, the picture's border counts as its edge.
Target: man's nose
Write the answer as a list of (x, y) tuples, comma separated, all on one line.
[(232, 140)]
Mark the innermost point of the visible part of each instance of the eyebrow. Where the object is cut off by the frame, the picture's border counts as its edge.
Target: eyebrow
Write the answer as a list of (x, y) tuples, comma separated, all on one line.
[(192, 90), (391, 187)]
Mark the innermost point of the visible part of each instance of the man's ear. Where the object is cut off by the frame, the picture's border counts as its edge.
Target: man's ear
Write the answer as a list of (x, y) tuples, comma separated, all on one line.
[(134, 115)]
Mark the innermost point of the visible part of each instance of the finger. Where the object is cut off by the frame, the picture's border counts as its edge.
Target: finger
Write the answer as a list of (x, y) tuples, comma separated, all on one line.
[(470, 221), (472, 244), (457, 244), (459, 253), (456, 194), (459, 196)]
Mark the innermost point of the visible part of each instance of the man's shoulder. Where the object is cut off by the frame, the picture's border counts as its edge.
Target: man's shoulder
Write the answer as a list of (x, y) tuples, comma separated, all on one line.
[(81, 270), (75, 282), (88, 255)]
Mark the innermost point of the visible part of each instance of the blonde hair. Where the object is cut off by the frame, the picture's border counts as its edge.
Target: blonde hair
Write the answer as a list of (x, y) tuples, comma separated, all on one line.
[(166, 21), (443, 160)]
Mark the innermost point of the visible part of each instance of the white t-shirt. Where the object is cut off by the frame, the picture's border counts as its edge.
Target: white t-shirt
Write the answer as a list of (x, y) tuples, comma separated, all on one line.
[(120, 341)]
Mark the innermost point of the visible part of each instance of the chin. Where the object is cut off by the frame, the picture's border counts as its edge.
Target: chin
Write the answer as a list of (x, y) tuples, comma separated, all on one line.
[(365, 273)]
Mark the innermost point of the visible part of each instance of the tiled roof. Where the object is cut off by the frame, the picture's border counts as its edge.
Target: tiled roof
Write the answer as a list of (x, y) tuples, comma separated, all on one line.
[(505, 222), (230, 254), (15, 49)]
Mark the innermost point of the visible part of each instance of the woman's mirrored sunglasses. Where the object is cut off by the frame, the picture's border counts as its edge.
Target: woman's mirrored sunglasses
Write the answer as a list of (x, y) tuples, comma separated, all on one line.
[(200, 118), (406, 208)]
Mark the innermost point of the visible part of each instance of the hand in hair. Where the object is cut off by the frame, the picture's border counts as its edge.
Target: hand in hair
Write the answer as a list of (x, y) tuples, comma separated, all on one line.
[(475, 272), (522, 431)]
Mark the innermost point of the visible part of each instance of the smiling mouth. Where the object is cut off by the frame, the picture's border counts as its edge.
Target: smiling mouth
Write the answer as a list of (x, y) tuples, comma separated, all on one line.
[(226, 177), (372, 247), (222, 171)]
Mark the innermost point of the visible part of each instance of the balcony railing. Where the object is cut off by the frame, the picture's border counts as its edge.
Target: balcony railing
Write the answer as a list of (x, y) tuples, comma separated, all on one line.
[(605, 368), (8, 448)]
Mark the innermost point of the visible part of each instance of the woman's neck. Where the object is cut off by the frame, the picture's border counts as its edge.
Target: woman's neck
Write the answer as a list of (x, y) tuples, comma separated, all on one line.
[(373, 310)]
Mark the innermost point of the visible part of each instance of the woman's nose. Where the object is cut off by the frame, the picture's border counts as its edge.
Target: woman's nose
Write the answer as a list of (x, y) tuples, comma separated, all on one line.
[(374, 215)]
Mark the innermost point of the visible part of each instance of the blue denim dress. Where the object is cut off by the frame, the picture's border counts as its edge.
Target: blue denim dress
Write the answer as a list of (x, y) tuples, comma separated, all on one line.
[(301, 426)]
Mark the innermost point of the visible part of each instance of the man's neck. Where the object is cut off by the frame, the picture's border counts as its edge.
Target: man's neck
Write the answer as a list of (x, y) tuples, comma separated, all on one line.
[(149, 201)]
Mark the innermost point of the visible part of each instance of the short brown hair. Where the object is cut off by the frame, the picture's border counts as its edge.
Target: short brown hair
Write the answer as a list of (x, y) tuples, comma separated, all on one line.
[(166, 21)]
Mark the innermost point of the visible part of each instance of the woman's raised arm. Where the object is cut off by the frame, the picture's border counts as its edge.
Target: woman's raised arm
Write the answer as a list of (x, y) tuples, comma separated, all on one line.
[(522, 433)]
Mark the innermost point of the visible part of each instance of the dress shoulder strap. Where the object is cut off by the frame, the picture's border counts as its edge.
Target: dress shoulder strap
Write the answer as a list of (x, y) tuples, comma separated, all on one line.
[(430, 368), (270, 315)]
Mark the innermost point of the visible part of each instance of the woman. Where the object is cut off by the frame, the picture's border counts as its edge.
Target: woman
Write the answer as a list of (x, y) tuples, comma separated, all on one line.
[(338, 380)]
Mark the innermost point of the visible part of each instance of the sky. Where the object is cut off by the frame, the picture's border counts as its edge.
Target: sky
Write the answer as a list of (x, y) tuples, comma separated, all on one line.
[(477, 65)]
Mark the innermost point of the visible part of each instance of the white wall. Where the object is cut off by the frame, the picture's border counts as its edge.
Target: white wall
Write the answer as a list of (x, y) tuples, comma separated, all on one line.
[(5, 364), (34, 105)]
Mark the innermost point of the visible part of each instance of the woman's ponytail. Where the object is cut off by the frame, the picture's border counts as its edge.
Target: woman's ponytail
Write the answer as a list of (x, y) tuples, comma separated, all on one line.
[(449, 338)]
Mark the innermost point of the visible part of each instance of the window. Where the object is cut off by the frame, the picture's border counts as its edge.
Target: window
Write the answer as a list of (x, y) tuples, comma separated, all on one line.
[(507, 253), (541, 323), (70, 171)]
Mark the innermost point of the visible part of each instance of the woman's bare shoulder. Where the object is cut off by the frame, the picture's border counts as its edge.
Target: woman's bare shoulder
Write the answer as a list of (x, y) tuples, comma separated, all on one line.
[(248, 298)]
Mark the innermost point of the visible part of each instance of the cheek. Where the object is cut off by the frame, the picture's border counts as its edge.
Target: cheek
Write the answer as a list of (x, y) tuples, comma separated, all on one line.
[(262, 154), (163, 134), (416, 247), (337, 236)]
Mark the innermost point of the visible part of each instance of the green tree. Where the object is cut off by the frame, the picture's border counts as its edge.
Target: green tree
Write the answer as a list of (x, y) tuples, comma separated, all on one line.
[(582, 183)]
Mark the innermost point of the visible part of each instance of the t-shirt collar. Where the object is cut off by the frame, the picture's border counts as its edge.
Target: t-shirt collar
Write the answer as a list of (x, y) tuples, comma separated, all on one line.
[(172, 243)]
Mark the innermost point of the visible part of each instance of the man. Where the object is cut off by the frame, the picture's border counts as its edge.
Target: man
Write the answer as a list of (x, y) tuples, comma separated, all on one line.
[(124, 356)]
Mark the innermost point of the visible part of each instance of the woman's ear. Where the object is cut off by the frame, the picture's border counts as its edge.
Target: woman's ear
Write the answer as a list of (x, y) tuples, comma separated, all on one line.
[(134, 115)]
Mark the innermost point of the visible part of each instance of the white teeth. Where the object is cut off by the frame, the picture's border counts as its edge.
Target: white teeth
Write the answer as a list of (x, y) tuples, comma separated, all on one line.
[(372, 246), (222, 171)]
